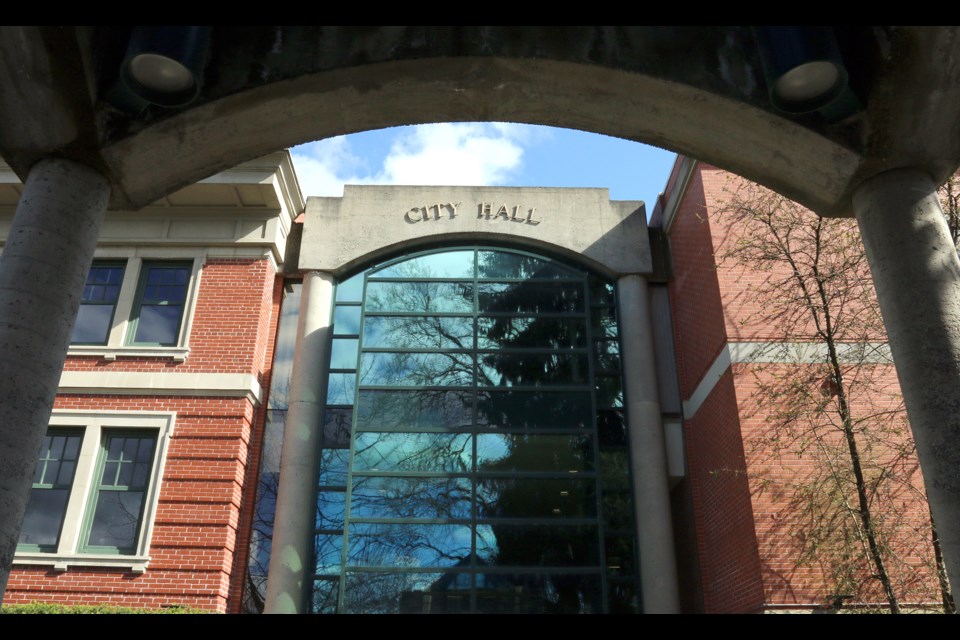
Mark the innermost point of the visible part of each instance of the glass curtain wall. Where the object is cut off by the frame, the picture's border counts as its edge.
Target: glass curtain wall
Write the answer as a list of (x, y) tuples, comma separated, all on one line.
[(474, 445)]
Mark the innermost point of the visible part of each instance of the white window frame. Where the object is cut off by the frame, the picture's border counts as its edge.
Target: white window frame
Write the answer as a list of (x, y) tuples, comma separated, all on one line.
[(117, 337), (93, 424)]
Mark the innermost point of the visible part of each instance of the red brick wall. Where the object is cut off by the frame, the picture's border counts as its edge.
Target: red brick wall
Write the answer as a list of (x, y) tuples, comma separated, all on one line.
[(198, 542)]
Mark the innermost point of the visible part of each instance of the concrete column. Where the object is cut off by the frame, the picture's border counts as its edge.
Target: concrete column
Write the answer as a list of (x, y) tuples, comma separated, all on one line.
[(651, 484), (294, 523), (43, 268), (916, 273)]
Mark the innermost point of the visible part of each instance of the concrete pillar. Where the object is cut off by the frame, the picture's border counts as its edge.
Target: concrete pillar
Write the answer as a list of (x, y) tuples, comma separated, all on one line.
[(294, 523), (43, 268), (916, 272), (651, 484)]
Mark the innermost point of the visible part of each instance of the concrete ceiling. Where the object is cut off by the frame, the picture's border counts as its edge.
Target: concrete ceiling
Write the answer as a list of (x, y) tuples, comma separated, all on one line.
[(699, 91)]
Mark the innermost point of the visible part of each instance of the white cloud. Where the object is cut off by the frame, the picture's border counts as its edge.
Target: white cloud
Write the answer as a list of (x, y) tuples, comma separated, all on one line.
[(436, 154)]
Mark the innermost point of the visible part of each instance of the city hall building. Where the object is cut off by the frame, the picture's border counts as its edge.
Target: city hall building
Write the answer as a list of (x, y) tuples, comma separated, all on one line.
[(410, 399)]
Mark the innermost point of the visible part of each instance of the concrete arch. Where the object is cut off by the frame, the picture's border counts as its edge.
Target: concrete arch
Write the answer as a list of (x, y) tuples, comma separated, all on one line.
[(682, 117)]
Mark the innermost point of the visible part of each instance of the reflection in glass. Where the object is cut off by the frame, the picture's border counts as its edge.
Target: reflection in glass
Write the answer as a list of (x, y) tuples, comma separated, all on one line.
[(426, 452), (531, 332), (418, 332), (537, 545), (374, 592), (336, 428), (525, 452), (417, 369), (539, 593), (346, 320), (341, 388), (333, 467), (504, 264), (350, 290), (536, 498), (116, 519), (328, 553), (531, 369), (325, 593), (331, 508), (420, 297), (423, 498), (604, 322), (414, 410), (449, 264), (530, 297), (607, 355), (609, 392), (534, 409), (408, 545), (343, 353)]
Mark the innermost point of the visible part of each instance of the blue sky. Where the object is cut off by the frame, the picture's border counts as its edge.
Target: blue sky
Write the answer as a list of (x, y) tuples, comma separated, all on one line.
[(486, 154)]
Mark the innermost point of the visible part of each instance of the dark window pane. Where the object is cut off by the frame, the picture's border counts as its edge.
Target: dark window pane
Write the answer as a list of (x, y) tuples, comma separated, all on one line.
[(607, 355), (609, 392), (416, 369), (430, 452), (611, 429), (414, 409), (538, 593), (346, 320), (116, 520), (93, 324), (503, 264), (531, 369), (161, 303), (530, 297), (534, 409), (604, 322), (417, 332), (420, 297), (44, 517), (538, 545), (336, 428), (408, 545), (531, 332), (333, 467), (449, 264), (601, 292), (525, 452), (424, 498), (536, 498)]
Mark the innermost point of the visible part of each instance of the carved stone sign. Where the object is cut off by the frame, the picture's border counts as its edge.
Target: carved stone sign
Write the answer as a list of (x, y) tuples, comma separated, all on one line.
[(485, 211)]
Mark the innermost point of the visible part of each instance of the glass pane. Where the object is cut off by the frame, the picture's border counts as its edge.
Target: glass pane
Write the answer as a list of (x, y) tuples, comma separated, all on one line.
[(607, 355), (350, 290), (420, 297), (343, 354), (328, 553), (601, 292), (346, 320), (44, 517), (604, 322), (417, 332), (503, 264), (609, 392), (449, 264), (325, 594), (611, 429), (617, 510), (530, 297), (417, 369), (534, 409), (370, 592), (538, 593), (341, 388), (531, 369), (531, 332), (536, 498), (333, 467), (93, 324), (116, 519), (614, 470), (158, 324), (331, 509), (65, 473), (336, 428), (408, 545), (422, 498), (430, 452), (537, 545), (414, 410), (525, 452)]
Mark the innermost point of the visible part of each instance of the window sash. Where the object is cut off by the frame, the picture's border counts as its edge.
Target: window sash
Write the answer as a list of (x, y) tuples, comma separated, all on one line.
[(98, 304), (161, 299)]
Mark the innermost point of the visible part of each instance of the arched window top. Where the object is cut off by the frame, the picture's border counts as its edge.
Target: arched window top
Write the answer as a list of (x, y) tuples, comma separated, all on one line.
[(475, 262)]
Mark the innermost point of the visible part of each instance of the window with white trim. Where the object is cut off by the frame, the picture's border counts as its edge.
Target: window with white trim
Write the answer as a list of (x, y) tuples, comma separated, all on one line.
[(138, 306), (95, 490)]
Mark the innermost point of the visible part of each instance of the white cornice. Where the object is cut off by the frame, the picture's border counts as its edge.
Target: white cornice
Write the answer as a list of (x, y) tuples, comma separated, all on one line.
[(232, 385)]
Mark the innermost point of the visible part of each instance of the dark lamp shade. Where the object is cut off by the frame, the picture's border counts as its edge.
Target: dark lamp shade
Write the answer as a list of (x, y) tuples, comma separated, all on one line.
[(163, 65), (802, 65)]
